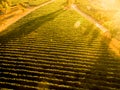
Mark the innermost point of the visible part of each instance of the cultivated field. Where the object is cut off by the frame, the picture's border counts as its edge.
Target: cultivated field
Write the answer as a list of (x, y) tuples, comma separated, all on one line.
[(56, 49)]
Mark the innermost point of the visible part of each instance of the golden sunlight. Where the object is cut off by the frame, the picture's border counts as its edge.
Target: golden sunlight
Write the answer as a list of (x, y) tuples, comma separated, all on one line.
[(106, 4)]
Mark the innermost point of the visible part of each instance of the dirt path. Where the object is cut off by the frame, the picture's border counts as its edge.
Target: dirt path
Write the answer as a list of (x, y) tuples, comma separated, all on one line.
[(114, 43), (18, 15)]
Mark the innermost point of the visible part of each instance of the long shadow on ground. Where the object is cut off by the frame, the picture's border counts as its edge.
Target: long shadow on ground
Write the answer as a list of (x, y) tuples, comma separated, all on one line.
[(28, 27), (104, 75), (94, 36)]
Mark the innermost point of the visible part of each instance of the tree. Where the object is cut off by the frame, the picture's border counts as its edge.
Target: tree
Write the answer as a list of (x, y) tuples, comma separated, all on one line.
[(4, 6)]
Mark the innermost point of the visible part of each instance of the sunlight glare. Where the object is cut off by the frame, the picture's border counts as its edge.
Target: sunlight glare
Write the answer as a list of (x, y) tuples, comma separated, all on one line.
[(77, 24)]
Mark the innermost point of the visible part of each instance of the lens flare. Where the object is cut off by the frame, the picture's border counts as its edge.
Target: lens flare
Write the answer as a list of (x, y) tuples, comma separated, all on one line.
[(77, 24)]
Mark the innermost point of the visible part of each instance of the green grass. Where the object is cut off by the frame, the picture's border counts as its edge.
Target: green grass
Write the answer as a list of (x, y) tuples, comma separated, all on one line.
[(43, 13), (53, 19), (42, 16), (52, 29)]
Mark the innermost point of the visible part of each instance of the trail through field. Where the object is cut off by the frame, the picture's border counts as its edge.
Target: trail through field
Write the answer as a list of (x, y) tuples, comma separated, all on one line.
[(114, 44)]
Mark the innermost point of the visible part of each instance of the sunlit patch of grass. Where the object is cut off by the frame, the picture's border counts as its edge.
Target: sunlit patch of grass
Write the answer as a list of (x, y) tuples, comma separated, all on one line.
[(49, 32), (43, 85), (57, 21)]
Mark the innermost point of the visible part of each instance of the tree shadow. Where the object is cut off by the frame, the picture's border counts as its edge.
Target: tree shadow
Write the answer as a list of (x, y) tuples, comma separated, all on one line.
[(105, 72), (88, 30), (94, 36), (28, 27)]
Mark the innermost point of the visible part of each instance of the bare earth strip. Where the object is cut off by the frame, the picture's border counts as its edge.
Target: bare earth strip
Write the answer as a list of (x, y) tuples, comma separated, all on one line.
[(114, 43), (18, 15)]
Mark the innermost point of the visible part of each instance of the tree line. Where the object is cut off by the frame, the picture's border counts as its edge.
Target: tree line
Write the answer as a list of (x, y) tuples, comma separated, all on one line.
[(6, 5)]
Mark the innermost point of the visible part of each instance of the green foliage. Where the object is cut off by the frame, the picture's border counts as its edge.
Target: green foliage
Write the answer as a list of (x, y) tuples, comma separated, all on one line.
[(5, 6)]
